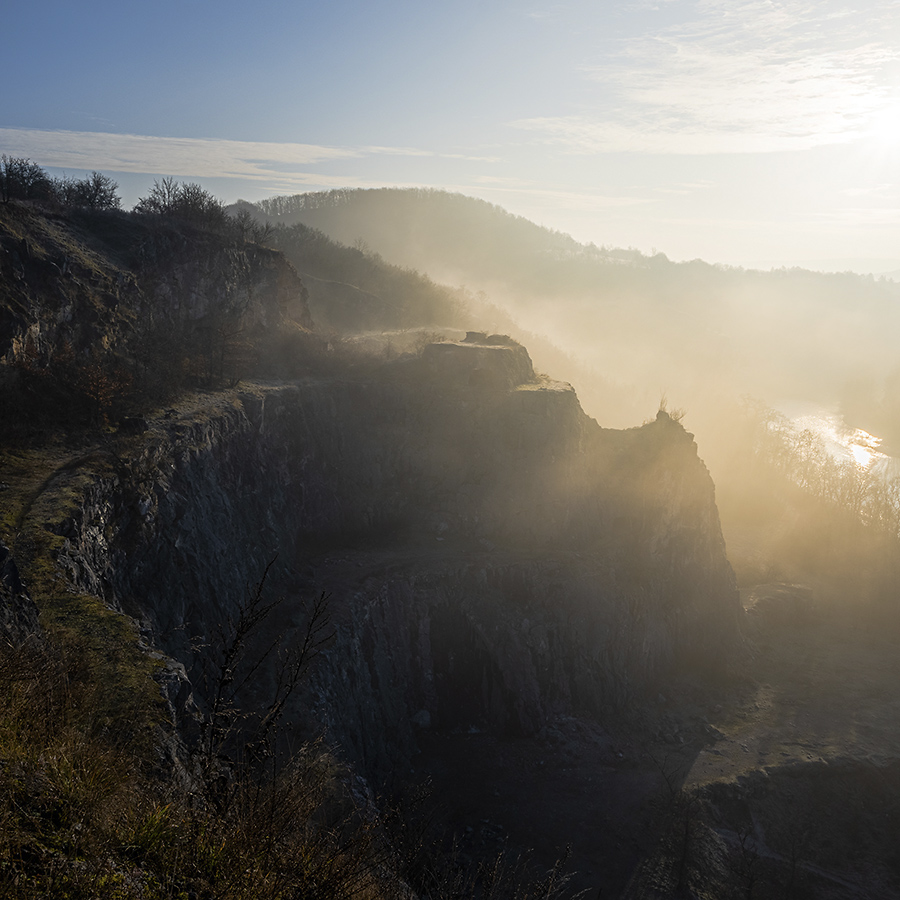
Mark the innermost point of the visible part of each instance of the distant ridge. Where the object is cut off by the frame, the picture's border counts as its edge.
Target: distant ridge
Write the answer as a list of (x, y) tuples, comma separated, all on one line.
[(889, 268), (646, 323), (443, 233)]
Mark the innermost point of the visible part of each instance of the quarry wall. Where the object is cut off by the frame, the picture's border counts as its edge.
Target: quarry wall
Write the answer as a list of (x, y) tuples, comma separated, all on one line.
[(492, 555)]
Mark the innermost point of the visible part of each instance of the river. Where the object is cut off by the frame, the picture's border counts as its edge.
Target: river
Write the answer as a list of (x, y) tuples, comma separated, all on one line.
[(843, 442)]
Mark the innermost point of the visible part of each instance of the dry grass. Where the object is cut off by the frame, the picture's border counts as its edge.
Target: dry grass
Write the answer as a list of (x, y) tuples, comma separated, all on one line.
[(82, 814), (86, 812)]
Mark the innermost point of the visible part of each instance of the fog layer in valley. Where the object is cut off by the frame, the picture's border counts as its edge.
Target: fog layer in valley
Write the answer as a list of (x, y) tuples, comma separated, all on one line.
[(801, 358), (643, 323)]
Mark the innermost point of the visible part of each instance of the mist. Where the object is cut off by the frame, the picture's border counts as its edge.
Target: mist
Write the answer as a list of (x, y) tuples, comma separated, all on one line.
[(732, 350), (580, 545), (643, 322)]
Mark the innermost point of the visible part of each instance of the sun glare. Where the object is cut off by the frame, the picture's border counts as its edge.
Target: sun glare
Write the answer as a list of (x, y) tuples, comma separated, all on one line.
[(863, 447), (884, 128)]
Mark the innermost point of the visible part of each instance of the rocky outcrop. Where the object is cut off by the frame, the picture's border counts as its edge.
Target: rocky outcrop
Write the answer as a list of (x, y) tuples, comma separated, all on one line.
[(18, 614), (493, 555), (82, 283), (195, 277), (480, 361)]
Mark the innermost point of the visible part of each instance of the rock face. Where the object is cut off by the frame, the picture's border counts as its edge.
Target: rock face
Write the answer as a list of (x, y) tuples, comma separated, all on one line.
[(103, 282), (493, 555), (480, 361), (18, 614)]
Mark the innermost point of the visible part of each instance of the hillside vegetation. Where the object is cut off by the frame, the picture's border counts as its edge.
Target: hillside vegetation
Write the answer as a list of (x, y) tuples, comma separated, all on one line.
[(704, 334), (729, 346), (309, 589), (115, 780)]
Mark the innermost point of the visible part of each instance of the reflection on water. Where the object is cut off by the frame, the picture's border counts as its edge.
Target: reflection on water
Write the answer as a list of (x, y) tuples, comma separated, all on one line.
[(846, 444), (864, 447)]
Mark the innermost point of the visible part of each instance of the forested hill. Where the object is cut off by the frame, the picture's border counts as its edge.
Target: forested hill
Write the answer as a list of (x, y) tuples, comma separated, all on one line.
[(442, 233), (645, 322)]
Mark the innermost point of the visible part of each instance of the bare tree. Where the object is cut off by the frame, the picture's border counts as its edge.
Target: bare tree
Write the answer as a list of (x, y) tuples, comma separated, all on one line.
[(234, 659), (95, 191), (22, 179), (162, 199), (186, 201)]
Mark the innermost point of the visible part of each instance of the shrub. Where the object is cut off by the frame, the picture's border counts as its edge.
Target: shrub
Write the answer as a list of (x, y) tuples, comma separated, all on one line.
[(95, 191), (187, 202), (22, 179)]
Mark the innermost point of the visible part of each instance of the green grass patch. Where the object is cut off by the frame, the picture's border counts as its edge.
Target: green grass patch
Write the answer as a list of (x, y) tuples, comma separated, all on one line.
[(124, 696), (21, 474), (44, 492)]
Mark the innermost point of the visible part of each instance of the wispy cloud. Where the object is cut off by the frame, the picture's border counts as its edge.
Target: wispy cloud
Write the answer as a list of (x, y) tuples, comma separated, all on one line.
[(883, 189), (412, 151), (685, 188), (751, 76), (283, 165), (174, 156), (861, 217), (546, 12)]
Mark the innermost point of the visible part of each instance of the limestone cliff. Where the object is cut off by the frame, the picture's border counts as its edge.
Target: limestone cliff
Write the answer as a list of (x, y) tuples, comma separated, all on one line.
[(493, 555), (104, 282)]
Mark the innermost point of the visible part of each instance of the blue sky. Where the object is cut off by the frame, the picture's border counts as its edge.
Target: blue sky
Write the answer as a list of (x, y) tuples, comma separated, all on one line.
[(740, 131)]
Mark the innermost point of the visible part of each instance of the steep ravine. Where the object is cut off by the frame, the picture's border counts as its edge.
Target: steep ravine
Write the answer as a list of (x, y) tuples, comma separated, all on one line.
[(493, 556)]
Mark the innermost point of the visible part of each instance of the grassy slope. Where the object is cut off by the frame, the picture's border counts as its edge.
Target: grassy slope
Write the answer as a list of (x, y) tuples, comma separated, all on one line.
[(95, 797)]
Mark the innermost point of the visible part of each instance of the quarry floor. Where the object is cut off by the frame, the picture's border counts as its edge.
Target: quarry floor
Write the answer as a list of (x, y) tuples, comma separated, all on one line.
[(816, 692)]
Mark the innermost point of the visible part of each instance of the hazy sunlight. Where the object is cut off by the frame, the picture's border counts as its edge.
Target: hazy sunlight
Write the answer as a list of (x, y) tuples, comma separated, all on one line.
[(885, 126)]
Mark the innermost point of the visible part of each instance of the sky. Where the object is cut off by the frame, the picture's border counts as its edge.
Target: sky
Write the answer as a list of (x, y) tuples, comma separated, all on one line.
[(736, 131)]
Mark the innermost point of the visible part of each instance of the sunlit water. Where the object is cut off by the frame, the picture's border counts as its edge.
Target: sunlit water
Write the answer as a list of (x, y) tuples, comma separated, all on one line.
[(845, 444)]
